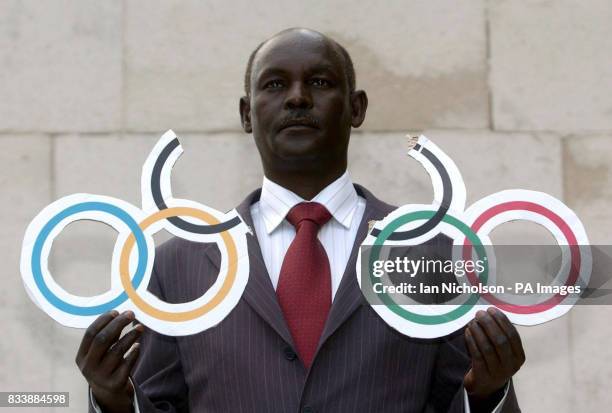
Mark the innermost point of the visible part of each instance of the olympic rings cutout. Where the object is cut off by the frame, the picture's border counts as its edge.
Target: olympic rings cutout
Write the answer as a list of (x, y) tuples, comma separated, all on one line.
[(132, 267), (412, 225)]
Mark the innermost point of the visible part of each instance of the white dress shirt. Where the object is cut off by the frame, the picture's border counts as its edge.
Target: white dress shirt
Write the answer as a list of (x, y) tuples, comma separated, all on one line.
[(337, 236)]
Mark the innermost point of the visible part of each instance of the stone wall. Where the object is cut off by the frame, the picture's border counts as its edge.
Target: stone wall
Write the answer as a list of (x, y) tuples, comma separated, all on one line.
[(519, 93)]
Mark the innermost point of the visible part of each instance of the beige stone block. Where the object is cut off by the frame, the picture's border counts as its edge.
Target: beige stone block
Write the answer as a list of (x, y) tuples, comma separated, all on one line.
[(489, 162), (588, 179), (550, 65), (25, 179), (590, 351), (60, 65), (423, 64), (26, 364), (101, 164), (545, 382), (80, 260), (588, 183)]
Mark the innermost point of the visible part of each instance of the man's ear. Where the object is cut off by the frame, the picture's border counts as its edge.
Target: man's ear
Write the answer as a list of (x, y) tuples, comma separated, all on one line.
[(359, 105), (245, 114)]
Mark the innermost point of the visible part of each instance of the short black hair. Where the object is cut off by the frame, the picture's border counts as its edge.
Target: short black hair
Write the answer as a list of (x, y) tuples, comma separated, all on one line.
[(349, 69)]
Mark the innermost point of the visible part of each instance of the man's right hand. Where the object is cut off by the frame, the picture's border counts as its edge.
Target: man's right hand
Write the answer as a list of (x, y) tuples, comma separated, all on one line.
[(101, 360)]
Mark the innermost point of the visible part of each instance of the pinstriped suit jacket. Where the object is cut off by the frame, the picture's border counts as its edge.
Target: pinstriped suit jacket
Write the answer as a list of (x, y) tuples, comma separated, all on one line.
[(247, 363)]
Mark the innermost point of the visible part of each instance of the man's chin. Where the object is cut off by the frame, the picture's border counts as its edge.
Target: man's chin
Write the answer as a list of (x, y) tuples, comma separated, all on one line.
[(298, 147), (301, 156), (294, 159)]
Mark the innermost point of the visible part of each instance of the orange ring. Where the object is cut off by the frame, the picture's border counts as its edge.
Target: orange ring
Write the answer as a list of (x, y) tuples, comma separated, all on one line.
[(147, 308)]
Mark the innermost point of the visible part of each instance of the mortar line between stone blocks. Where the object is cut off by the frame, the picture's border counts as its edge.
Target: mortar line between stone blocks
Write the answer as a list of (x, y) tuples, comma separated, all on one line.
[(52, 195), (572, 367), (122, 120), (575, 133), (488, 66), (570, 341), (563, 161), (52, 174)]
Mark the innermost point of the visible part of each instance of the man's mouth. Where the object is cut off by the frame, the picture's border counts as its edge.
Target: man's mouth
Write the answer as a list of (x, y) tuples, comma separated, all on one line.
[(300, 123)]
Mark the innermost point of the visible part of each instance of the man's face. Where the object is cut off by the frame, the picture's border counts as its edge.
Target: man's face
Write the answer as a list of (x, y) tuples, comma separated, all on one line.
[(300, 107)]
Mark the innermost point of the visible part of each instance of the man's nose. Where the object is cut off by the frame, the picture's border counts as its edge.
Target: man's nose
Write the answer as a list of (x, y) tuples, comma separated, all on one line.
[(298, 97)]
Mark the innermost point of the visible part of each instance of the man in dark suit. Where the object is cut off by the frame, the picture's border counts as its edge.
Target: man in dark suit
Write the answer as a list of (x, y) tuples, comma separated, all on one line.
[(302, 338)]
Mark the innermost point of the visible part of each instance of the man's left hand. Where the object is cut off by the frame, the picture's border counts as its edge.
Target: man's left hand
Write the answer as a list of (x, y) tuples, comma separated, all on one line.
[(496, 351)]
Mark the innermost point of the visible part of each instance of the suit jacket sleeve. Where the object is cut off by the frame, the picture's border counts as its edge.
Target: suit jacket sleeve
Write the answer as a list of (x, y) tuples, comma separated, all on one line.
[(453, 361)]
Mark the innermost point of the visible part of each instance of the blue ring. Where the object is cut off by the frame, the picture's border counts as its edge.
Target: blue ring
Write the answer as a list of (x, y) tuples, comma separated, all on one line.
[(53, 222)]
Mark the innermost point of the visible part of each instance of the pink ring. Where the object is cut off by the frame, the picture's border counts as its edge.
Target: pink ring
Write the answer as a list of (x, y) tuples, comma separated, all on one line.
[(559, 222)]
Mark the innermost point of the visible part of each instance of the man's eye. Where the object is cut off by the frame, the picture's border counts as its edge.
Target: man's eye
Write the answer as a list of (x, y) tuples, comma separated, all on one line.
[(273, 84), (320, 82)]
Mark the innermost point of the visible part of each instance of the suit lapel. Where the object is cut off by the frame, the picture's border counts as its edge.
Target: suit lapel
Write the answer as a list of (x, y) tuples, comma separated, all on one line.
[(259, 291), (349, 297)]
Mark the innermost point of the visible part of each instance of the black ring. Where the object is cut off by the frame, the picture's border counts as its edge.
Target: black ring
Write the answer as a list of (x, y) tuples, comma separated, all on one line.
[(447, 195), (161, 204)]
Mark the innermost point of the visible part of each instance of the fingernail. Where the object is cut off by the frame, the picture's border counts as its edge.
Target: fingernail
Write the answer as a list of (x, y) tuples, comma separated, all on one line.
[(129, 314), (114, 313), (492, 310), (139, 328), (480, 314)]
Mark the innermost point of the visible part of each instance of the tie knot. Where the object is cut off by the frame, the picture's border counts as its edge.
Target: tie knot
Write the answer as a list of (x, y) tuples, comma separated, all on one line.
[(308, 211)]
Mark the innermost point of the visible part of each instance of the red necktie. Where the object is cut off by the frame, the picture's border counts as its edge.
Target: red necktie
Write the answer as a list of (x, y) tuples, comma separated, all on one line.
[(304, 285)]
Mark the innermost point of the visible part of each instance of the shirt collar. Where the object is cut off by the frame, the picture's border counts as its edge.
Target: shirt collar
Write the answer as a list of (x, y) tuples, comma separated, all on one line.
[(339, 197)]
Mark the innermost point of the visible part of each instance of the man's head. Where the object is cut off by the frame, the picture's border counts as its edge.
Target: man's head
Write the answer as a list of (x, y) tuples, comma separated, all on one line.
[(301, 102), (349, 69)]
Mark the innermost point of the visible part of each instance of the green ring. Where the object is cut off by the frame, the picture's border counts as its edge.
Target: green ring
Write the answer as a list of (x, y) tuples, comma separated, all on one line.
[(420, 318)]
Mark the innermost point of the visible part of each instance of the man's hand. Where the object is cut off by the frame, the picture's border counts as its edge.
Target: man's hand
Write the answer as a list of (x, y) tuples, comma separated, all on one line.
[(497, 353), (101, 360)]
